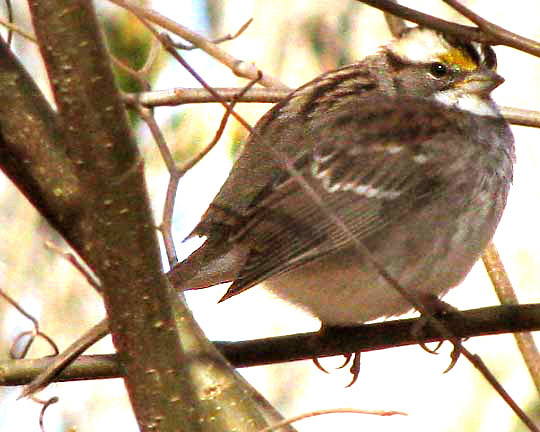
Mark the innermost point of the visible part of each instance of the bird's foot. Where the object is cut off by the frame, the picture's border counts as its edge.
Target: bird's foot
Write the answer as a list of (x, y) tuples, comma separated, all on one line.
[(355, 364), (437, 309)]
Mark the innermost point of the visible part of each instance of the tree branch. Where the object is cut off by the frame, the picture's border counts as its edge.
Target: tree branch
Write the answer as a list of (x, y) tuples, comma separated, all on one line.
[(239, 67), (180, 96), (495, 36), (369, 337), (32, 147), (114, 229)]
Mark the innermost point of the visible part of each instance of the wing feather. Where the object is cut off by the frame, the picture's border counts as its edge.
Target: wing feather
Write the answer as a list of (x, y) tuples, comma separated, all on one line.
[(365, 173)]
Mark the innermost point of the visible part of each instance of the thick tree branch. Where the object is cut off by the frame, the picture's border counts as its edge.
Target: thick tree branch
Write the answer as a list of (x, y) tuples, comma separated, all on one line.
[(116, 234), (32, 147)]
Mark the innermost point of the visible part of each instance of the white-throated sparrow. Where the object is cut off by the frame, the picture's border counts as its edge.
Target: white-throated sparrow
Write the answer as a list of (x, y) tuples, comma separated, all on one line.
[(406, 148)]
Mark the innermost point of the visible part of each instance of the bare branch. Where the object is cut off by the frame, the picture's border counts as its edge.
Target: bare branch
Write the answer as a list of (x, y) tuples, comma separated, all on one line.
[(46, 404), (395, 24), (16, 29), (495, 36), (221, 127), (499, 35), (166, 226), (238, 67), (331, 411), (67, 356), (506, 294), (79, 265), (222, 39), (35, 332), (521, 117), (368, 337), (179, 96)]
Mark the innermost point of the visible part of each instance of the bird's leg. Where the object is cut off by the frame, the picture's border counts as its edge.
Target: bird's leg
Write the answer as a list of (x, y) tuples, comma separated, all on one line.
[(328, 331), (437, 309)]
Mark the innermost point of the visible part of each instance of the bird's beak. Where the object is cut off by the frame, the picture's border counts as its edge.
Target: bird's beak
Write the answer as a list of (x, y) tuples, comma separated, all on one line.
[(482, 82)]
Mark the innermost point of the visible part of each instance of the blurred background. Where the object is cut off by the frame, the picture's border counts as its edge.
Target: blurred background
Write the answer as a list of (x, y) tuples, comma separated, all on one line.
[(294, 41)]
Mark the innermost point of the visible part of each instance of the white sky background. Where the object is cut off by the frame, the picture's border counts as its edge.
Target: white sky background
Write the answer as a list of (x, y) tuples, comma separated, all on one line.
[(405, 379)]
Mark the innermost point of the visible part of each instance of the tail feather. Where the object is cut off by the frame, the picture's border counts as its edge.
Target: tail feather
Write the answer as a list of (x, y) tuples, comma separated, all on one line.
[(210, 265)]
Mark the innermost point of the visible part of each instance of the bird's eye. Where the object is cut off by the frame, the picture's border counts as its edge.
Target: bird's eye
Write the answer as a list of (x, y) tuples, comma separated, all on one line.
[(438, 70)]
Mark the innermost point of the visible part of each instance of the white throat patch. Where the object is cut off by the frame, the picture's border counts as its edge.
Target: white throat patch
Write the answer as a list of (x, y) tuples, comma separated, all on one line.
[(468, 102)]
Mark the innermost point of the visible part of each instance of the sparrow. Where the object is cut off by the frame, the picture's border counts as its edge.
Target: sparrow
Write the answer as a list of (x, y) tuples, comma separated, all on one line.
[(404, 152)]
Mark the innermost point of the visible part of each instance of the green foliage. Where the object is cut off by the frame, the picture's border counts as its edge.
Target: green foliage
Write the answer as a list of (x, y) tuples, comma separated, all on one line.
[(130, 43), (237, 140)]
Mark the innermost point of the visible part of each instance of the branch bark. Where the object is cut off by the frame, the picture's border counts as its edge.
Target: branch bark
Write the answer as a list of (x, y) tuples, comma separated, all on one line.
[(115, 212), (370, 337)]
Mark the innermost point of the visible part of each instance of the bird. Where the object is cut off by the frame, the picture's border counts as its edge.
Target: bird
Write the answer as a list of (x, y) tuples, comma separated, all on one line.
[(403, 153)]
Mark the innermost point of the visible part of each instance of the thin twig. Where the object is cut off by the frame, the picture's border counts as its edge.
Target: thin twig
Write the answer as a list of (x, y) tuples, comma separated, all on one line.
[(220, 129), (310, 414), (66, 357), (135, 74), (166, 155), (16, 29), (151, 58), (166, 223), (395, 24), (478, 363), (9, 8), (499, 35), (219, 40), (506, 294), (495, 37), (166, 42), (238, 67), (84, 270), (33, 335), (201, 81), (141, 75), (46, 405), (161, 143), (521, 117), (180, 96), (35, 332), (19, 308)]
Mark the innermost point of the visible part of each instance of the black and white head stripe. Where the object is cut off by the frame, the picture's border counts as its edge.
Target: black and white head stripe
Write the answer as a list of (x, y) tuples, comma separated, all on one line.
[(482, 54), (423, 45)]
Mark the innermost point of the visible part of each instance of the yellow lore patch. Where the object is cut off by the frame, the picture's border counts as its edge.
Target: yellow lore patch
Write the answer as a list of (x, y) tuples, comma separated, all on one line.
[(458, 58)]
